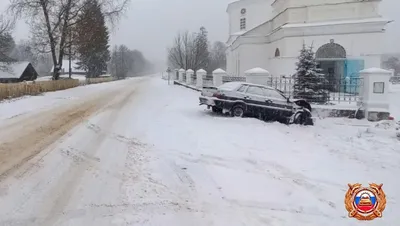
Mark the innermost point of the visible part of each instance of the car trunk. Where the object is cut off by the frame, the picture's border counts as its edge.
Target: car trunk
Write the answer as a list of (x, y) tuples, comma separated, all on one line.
[(209, 91)]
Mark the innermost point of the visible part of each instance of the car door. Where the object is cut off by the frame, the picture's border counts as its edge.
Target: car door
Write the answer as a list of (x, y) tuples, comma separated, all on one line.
[(240, 93), (277, 103), (255, 99)]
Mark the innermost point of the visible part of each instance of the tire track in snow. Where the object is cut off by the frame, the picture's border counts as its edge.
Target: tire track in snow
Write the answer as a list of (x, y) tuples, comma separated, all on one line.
[(273, 170), (21, 139), (30, 137), (66, 187)]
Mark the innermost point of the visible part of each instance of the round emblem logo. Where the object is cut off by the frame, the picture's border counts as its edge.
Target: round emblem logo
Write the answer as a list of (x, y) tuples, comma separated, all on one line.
[(365, 203), (243, 11)]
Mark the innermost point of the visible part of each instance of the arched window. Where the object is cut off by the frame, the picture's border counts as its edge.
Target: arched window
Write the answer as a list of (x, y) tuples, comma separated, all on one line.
[(242, 23), (330, 51), (277, 52)]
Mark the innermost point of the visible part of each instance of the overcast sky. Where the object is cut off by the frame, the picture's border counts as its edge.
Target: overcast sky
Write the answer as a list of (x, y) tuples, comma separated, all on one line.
[(150, 25)]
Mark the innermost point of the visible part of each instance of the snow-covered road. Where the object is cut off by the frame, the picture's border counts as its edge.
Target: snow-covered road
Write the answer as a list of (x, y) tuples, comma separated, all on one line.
[(141, 152)]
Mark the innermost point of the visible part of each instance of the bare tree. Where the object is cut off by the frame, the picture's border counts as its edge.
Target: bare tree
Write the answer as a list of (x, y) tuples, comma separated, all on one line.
[(23, 51), (189, 50), (53, 20), (7, 43), (178, 53), (392, 63), (128, 63)]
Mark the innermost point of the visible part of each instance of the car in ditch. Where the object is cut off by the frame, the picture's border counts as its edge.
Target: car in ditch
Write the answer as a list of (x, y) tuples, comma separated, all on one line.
[(241, 99)]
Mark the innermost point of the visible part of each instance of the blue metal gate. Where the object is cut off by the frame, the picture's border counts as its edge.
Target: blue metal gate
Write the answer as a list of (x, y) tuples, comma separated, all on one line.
[(352, 70)]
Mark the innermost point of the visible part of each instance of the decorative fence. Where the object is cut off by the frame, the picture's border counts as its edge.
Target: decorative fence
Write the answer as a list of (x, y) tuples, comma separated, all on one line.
[(226, 79), (395, 80), (334, 90), (208, 80), (331, 91), (13, 90)]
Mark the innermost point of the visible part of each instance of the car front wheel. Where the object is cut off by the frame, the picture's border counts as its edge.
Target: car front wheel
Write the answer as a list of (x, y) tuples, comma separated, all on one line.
[(237, 111), (216, 110), (303, 118)]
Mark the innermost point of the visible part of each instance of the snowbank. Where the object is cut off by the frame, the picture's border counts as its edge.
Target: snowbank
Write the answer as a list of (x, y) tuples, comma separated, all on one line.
[(374, 70), (256, 71), (219, 71), (74, 76)]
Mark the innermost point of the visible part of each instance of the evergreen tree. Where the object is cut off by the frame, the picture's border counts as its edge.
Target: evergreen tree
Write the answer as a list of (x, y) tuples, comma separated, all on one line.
[(309, 82), (201, 54), (92, 40)]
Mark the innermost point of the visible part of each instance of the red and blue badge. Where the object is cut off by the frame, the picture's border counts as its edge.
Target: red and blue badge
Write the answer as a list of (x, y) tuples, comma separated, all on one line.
[(365, 201)]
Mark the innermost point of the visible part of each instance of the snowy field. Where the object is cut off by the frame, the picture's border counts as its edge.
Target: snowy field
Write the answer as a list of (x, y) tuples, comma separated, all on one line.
[(142, 152)]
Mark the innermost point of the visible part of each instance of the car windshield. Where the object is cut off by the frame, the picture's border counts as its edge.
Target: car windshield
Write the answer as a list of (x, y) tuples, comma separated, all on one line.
[(281, 93), (230, 86)]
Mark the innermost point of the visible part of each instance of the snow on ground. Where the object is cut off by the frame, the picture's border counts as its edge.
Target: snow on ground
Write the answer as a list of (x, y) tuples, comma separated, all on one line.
[(73, 76), (154, 157), (268, 173), (20, 106)]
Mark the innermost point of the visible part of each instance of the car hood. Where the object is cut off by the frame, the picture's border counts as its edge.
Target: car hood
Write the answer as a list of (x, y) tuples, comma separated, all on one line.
[(301, 103)]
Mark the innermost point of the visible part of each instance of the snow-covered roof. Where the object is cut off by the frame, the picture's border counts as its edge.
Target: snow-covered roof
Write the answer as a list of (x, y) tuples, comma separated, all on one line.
[(337, 22), (256, 70), (181, 70), (74, 65), (190, 71), (202, 71), (16, 70), (219, 71), (234, 37), (239, 32), (375, 70)]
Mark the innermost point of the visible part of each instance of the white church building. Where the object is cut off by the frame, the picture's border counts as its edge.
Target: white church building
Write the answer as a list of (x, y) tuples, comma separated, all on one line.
[(345, 34)]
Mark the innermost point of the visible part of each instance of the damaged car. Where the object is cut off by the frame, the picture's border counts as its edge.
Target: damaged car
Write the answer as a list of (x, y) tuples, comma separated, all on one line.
[(241, 99)]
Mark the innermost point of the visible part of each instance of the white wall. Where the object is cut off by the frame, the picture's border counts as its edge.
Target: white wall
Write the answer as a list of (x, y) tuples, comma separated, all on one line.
[(355, 44), (257, 12), (247, 56), (319, 10), (282, 66), (297, 12), (356, 10), (367, 45), (252, 56), (358, 46)]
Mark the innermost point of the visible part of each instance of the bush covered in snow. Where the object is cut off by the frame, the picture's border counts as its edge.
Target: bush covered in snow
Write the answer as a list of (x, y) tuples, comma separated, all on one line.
[(390, 125)]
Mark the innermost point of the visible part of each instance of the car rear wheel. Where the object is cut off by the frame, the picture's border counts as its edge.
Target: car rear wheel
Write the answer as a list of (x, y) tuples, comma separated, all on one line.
[(237, 111)]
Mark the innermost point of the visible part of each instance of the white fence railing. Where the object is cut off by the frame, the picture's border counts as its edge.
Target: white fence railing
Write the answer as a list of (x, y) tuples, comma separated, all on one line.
[(395, 80)]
